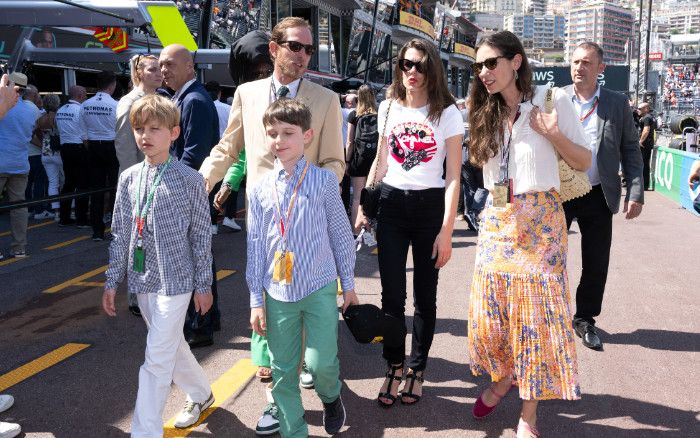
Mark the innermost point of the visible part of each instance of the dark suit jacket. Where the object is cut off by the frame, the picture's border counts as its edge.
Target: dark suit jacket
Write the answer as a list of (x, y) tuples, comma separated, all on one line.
[(199, 124), (618, 142)]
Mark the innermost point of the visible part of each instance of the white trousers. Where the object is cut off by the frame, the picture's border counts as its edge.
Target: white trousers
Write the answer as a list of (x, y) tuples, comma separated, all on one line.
[(168, 359), (54, 167)]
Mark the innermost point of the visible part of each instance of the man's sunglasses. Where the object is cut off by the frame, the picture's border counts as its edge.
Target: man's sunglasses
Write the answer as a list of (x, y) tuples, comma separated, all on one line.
[(406, 65), (489, 63), (296, 46)]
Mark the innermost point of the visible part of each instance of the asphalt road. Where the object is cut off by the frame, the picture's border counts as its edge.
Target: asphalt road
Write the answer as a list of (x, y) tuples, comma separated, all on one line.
[(644, 384)]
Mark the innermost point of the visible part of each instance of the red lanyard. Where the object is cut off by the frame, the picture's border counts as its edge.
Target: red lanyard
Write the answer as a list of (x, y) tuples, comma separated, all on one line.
[(588, 114), (291, 202)]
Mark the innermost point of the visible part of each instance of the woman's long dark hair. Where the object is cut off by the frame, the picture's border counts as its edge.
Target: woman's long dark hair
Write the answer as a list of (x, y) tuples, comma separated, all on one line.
[(439, 96), (487, 112)]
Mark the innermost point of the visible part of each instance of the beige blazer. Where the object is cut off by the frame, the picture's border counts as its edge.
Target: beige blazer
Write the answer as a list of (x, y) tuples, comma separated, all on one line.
[(245, 129)]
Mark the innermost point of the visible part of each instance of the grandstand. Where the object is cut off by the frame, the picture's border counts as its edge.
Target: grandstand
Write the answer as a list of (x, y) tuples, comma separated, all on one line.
[(681, 89)]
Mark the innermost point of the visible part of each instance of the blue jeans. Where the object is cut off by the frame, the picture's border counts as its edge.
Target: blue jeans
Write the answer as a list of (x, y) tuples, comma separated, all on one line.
[(37, 184)]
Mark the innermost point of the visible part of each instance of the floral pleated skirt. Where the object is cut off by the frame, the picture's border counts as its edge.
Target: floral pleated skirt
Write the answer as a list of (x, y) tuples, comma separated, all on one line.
[(519, 310)]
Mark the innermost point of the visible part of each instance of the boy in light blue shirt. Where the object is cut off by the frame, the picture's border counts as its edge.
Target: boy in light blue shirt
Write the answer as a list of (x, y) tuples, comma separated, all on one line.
[(299, 243)]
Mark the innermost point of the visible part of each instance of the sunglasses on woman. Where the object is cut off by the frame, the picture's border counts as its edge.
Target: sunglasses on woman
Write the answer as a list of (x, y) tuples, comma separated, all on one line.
[(296, 46), (406, 65), (489, 63)]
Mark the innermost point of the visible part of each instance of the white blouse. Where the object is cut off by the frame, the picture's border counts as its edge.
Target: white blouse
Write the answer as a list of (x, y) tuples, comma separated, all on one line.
[(533, 162)]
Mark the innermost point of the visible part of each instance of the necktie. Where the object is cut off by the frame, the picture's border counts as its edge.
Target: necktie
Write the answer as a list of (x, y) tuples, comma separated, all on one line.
[(282, 91)]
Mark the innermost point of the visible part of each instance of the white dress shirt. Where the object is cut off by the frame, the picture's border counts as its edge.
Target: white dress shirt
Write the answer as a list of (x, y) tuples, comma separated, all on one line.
[(590, 125), (99, 115), (293, 88), (533, 163), (70, 129), (182, 89)]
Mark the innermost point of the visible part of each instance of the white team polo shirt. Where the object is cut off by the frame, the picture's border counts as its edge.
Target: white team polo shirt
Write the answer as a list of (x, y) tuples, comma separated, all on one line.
[(99, 114)]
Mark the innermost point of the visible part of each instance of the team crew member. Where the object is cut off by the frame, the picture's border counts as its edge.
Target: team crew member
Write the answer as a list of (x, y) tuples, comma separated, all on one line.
[(99, 116), (74, 155)]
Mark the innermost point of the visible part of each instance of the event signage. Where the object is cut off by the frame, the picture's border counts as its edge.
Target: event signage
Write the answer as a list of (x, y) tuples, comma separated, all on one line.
[(415, 22), (615, 77), (656, 56), (671, 176), (463, 49)]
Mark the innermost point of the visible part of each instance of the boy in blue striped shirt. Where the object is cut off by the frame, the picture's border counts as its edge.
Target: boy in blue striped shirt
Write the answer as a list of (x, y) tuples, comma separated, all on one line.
[(299, 242)]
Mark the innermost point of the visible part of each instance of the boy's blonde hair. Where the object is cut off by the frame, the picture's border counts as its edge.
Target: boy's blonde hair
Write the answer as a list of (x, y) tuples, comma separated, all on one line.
[(290, 111), (154, 108)]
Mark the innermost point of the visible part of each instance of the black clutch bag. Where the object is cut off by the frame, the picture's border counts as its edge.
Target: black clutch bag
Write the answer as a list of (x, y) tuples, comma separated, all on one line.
[(369, 200)]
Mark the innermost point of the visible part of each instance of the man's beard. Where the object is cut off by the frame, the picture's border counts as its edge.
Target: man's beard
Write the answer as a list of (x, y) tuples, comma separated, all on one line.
[(292, 72)]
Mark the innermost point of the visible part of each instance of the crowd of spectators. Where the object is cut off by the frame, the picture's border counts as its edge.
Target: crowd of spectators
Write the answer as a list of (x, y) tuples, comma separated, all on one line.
[(231, 19), (682, 89)]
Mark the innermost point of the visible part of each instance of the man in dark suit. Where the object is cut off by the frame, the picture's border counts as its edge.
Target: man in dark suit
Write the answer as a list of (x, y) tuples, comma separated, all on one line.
[(607, 118), (199, 132)]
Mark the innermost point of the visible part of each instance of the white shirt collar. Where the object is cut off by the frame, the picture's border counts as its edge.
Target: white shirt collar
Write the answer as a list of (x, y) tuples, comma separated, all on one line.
[(292, 86), (182, 89), (575, 98)]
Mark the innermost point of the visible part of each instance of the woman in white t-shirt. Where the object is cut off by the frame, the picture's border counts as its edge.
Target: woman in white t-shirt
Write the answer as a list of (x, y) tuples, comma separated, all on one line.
[(418, 163), (519, 318)]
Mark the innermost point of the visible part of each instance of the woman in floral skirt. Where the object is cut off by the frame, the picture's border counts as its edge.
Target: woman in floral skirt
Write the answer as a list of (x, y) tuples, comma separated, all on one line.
[(519, 318)]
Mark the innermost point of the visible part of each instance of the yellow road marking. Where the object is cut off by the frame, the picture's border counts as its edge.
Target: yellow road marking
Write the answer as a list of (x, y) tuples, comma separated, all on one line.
[(40, 364), (31, 227), (69, 242), (76, 280), (12, 260), (223, 273), (224, 387), (91, 283), (72, 241)]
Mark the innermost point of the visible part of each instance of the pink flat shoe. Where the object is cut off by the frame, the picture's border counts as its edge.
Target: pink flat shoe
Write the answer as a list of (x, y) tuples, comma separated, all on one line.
[(481, 410), (527, 431)]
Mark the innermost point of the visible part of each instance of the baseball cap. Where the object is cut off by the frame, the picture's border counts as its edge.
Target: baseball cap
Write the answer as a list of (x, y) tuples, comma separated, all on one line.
[(368, 324)]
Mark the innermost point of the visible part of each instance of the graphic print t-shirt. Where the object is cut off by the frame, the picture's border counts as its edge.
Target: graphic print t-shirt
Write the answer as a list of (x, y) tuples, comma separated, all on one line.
[(416, 146)]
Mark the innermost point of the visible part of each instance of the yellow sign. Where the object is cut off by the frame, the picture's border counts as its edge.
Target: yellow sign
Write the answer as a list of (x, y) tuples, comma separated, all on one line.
[(463, 49), (415, 22), (170, 27)]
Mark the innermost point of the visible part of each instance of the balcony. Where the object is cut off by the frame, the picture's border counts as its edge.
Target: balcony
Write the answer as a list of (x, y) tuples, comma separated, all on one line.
[(410, 20)]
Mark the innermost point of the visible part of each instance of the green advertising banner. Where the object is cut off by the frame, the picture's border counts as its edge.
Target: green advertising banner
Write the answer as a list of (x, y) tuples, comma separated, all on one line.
[(671, 176)]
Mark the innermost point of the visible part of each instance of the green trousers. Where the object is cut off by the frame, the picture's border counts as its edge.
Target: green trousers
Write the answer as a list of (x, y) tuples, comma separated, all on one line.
[(259, 353), (317, 317)]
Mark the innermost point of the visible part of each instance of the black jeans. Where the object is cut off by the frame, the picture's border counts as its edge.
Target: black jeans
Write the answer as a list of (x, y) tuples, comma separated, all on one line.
[(75, 167), (104, 170), (646, 160), (410, 217), (595, 222)]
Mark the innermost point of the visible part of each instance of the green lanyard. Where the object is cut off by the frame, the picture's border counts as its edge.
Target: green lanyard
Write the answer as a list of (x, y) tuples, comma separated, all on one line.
[(141, 215)]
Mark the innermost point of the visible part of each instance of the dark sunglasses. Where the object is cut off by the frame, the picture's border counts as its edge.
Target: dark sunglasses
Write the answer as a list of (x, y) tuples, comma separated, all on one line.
[(406, 65), (296, 46), (489, 63)]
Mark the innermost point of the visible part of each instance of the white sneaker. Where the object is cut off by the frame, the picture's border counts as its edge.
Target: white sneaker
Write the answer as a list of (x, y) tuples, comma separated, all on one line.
[(306, 380), (191, 412), (6, 402), (231, 223), (269, 423), (214, 229), (9, 430), (44, 215)]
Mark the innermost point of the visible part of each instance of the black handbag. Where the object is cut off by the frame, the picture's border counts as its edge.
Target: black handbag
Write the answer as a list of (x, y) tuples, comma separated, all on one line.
[(370, 195)]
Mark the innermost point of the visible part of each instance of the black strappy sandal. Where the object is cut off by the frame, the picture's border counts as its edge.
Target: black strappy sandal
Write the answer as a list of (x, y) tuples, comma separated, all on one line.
[(391, 375), (411, 378)]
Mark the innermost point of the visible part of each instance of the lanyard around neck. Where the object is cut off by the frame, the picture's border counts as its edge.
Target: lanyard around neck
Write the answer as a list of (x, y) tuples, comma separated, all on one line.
[(505, 151), (273, 88), (141, 214), (590, 111), (282, 219)]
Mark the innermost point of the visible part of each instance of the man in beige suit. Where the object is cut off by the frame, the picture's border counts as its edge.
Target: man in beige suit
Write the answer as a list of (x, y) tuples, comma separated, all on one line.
[(291, 47)]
